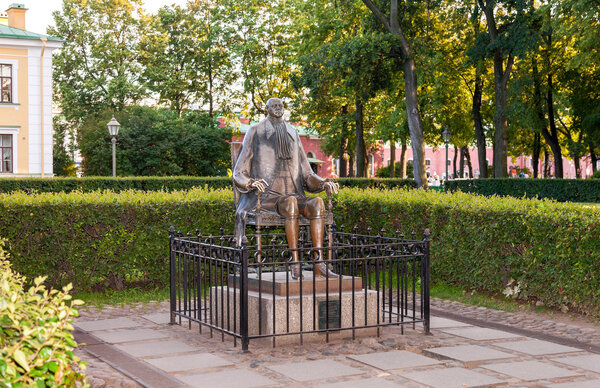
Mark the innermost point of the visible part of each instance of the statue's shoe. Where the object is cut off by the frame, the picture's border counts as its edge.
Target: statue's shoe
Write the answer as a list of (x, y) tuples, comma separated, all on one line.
[(296, 270), (321, 270)]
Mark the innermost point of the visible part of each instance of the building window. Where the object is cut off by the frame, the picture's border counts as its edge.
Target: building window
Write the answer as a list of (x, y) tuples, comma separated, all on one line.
[(427, 162), (310, 155), (6, 76), (7, 153)]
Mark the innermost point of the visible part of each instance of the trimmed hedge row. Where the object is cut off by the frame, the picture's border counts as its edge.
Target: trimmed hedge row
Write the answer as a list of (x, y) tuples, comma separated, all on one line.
[(562, 190), (89, 184), (100, 240)]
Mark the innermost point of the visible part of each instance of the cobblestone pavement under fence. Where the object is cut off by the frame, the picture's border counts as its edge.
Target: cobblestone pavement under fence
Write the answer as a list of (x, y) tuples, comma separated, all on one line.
[(133, 345)]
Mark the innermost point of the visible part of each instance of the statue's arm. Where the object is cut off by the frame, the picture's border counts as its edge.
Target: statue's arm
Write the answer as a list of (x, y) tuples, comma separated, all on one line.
[(312, 181), (241, 171)]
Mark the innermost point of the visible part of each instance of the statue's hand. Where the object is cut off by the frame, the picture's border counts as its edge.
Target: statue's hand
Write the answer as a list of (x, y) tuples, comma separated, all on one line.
[(260, 185), (332, 187)]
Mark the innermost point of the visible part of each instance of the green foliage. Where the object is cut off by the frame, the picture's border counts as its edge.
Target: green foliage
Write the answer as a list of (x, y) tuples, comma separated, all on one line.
[(167, 184), (596, 175), (103, 240), (384, 172), (97, 67), (63, 164), (36, 344), (562, 190), (156, 142)]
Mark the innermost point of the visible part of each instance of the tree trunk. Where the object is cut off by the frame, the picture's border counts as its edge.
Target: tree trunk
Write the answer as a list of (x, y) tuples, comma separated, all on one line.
[(501, 77), (393, 157), (403, 160), (576, 160), (594, 158), (410, 88), (414, 122), (541, 119), (210, 91), (454, 170), (343, 170), (461, 163), (351, 166), (500, 120), (552, 136), (535, 160), (468, 156), (478, 124), (360, 140), (546, 163)]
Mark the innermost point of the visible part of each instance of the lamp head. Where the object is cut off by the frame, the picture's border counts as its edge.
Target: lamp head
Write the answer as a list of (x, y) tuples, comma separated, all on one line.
[(113, 127), (446, 135)]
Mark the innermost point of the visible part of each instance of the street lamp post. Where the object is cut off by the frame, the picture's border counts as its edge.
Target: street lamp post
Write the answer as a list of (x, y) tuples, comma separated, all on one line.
[(446, 135), (113, 130)]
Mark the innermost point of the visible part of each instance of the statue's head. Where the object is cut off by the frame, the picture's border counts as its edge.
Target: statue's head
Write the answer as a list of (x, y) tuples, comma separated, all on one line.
[(275, 107)]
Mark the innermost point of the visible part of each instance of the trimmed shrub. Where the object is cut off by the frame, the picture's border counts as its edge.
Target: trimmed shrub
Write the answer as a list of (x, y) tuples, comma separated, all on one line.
[(89, 184), (562, 190), (36, 344), (376, 183), (550, 250)]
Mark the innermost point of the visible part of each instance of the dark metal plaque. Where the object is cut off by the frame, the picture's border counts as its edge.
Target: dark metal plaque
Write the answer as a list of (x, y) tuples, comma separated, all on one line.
[(333, 316)]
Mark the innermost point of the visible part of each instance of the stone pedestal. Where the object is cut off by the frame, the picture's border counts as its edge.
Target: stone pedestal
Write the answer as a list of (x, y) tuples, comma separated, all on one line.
[(294, 308)]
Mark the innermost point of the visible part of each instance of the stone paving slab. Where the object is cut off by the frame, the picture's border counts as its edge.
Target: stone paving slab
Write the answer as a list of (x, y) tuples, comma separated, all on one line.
[(469, 353), (536, 347), (531, 370), (114, 337), (577, 384), (589, 361), (236, 378), (451, 378), (395, 359), (480, 333), (442, 323), (188, 362), (314, 370), (159, 318), (106, 324), (156, 348), (364, 383)]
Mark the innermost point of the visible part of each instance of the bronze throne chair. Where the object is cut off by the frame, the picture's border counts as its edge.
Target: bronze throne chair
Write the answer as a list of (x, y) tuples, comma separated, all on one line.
[(260, 218)]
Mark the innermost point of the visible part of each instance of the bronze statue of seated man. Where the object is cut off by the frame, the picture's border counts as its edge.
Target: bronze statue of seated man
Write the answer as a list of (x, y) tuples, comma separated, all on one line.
[(272, 162)]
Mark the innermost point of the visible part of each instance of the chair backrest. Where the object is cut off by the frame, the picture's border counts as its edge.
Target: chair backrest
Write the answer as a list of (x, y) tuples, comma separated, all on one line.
[(236, 148)]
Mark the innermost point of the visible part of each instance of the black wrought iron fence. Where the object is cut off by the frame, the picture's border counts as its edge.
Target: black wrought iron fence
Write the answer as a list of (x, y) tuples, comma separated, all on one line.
[(248, 293)]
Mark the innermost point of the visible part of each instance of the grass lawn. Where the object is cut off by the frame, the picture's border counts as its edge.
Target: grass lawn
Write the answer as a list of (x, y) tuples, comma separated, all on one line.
[(439, 290)]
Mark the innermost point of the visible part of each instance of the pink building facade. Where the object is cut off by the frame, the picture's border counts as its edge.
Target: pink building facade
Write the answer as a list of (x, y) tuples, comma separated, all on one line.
[(327, 166), (434, 162)]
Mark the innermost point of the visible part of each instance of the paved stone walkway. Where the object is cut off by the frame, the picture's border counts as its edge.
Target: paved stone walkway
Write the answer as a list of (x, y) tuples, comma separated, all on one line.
[(136, 340)]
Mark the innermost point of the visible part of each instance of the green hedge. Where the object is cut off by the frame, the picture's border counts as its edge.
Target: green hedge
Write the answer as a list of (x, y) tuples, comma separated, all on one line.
[(104, 240), (89, 184), (562, 190)]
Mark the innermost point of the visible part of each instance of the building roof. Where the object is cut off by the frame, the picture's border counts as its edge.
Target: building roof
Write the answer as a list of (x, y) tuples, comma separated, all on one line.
[(17, 33)]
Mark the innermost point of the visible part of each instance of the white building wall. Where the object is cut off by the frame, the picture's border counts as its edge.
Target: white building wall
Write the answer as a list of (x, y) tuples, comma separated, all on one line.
[(35, 111)]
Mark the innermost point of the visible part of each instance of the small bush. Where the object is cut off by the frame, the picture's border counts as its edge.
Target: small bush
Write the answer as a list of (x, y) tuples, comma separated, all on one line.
[(595, 175), (36, 344), (562, 190)]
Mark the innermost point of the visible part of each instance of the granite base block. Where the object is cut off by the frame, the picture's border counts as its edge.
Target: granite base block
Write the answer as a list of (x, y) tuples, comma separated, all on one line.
[(274, 314)]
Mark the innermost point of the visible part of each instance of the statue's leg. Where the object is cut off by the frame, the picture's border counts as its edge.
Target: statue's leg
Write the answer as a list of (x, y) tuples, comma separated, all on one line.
[(315, 212), (288, 208)]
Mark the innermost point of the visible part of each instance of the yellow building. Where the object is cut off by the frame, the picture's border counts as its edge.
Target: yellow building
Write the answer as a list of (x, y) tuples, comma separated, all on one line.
[(25, 97)]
